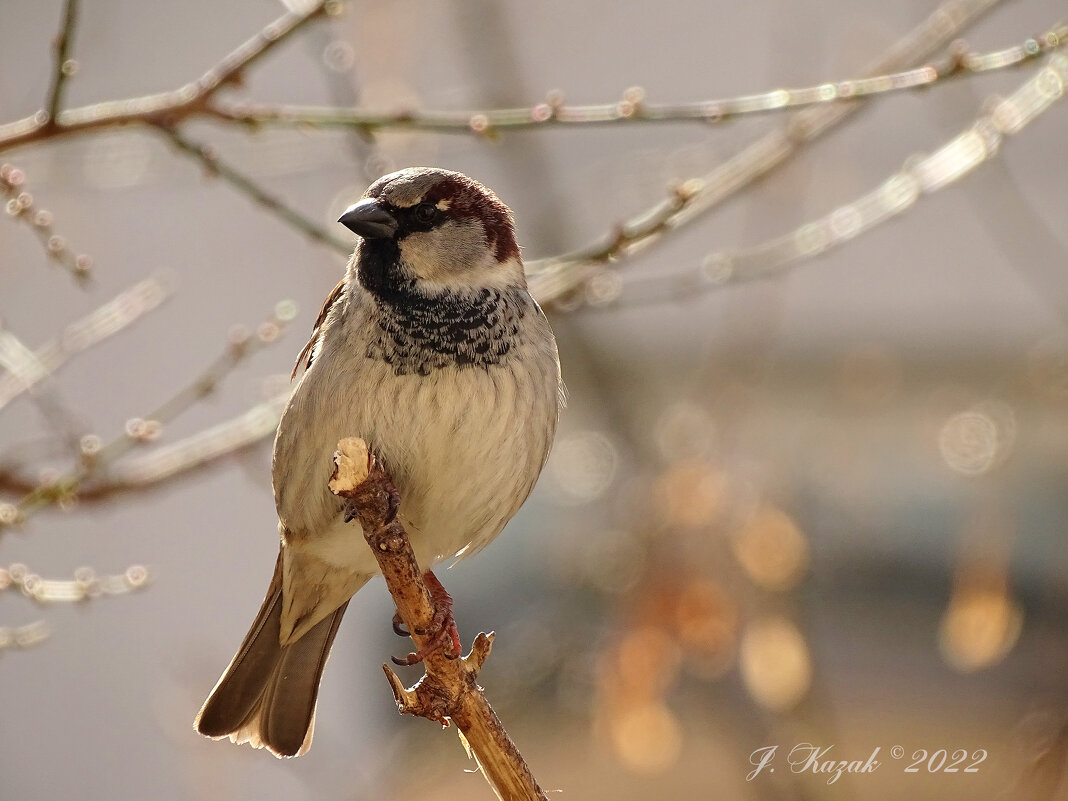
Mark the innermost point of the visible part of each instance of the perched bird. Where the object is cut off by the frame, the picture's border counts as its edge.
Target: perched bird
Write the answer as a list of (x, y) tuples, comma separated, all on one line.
[(432, 350)]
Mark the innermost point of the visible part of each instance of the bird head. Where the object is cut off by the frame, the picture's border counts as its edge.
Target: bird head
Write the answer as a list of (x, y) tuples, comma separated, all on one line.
[(430, 230)]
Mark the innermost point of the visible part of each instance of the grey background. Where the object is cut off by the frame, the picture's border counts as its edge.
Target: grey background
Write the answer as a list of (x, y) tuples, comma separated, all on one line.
[(961, 292)]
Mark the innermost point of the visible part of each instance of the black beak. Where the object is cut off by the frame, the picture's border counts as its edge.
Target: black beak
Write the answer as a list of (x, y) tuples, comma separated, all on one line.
[(369, 220)]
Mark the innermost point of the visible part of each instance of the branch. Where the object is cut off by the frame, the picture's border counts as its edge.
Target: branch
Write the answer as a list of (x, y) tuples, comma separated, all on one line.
[(25, 369), (196, 99), (557, 277), (246, 186), (21, 206), (85, 585), (22, 637), (448, 690), (165, 109), (96, 455), (633, 107), (561, 275), (920, 175), (64, 66), (182, 458)]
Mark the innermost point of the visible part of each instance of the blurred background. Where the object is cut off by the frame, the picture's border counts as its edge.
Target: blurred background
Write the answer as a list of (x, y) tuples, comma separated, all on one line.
[(828, 507)]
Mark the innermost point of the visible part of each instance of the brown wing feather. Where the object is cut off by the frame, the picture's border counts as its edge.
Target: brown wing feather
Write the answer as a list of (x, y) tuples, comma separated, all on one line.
[(308, 349), (267, 695)]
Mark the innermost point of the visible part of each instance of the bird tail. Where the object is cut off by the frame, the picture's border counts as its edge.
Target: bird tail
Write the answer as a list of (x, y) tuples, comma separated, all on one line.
[(267, 695)]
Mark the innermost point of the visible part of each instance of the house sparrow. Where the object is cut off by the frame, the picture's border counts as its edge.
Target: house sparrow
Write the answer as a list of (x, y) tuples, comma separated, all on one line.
[(432, 350)]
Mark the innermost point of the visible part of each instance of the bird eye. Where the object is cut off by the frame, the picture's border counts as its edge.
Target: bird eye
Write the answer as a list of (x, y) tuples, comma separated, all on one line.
[(426, 212)]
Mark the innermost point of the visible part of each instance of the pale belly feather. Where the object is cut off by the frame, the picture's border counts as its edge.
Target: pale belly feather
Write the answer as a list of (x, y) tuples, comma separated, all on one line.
[(463, 445)]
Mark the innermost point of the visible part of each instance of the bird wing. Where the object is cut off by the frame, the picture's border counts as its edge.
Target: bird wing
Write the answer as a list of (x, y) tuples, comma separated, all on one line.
[(309, 349)]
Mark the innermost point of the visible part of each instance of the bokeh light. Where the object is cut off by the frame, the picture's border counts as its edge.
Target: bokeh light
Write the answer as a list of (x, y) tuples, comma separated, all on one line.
[(118, 161), (647, 738), (647, 662), (982, 622), (635, 675), (775, 663), (691, 494), (975, 440), (582, 466), (706, 621), (684, 429), (771, 549)]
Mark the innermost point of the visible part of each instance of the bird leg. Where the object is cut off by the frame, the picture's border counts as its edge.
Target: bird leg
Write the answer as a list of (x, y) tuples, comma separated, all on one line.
[(442, 631)]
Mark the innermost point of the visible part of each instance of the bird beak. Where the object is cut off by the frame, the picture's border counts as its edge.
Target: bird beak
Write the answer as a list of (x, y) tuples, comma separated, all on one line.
[(369, 220)]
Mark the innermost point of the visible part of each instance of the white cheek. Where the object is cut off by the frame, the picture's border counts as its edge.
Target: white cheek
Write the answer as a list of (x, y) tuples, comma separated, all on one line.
[(446, 252)]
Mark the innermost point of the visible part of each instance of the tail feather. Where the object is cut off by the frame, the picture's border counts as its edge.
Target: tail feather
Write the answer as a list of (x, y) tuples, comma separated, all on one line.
[(266, 697), (284, 704)]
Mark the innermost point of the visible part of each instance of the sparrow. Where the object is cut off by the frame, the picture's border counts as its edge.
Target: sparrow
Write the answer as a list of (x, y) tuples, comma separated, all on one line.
[(432, 350)]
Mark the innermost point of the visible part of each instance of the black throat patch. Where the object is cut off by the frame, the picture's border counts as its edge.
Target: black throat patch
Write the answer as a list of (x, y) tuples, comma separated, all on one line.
[(419, 333)]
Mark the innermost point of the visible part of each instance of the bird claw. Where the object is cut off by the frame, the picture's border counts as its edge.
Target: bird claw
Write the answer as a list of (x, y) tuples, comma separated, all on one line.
[(447, 638), (442, 630), (399, 628), (349, 510), (411, 659)]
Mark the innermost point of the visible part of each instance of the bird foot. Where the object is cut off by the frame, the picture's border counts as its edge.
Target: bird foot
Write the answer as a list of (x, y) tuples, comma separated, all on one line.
[(442, 631)]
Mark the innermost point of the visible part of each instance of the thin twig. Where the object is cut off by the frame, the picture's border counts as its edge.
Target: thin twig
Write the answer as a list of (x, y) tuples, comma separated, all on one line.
[(63, 67), (197, 99), (449, 690), (22, 637), (103, 322), (164, 108), (85, 585), (185, 457), (633, 106), (96, 455), (920, 175), (22, 206), (246, 186), (556, 277), (25, 370)]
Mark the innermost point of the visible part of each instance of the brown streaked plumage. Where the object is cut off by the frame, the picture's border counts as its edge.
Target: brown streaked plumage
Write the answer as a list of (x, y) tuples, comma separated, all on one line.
[(307, 350), (432, 350), (268, 692)]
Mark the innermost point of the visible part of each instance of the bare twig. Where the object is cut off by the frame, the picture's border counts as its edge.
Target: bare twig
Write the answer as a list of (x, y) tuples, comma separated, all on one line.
[(22, 206), (25, 370), (105, 321), (561, 275), (22, 637), (85, 585), (95, 455), (164, 108), (633, 107), (198, 99), (920, 175), (448, 691), (246, 186), (184, 457), (64, 67), (556, 277)]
